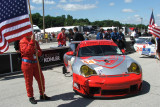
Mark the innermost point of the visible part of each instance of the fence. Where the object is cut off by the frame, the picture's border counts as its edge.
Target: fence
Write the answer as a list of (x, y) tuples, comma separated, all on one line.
[(11, 62)]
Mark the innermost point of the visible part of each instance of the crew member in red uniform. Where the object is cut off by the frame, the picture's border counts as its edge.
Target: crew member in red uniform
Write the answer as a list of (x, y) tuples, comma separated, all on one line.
[(30, 68), (61, 38)]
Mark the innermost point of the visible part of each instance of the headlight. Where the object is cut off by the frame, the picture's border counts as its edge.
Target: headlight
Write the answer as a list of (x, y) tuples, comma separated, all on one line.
[(134, 68), (86, 71)]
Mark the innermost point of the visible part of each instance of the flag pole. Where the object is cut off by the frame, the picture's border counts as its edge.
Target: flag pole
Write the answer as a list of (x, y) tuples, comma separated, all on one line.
[(36, 51)]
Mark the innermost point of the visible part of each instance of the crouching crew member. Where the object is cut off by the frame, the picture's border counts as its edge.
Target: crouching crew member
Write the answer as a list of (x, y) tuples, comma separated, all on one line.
[(30, 68)]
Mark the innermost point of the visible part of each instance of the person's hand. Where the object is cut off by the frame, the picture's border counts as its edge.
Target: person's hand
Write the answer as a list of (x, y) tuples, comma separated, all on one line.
[(18, 51), (33, 37)]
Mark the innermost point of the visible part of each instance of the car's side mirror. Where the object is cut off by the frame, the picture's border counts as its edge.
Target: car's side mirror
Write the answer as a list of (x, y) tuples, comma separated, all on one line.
[(70, 53), (123, 51)]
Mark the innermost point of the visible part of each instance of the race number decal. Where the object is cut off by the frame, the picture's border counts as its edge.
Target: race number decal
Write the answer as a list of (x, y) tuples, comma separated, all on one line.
[(139, 49)]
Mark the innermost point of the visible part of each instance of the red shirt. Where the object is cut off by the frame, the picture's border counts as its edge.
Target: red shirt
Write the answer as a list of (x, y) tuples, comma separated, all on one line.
[(61, 39), (27, 49)]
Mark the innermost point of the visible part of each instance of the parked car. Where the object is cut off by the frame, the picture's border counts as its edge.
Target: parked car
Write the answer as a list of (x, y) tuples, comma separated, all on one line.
[(100, 69)]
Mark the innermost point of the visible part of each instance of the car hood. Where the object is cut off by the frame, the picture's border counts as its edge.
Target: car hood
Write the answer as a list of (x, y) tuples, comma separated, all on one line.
[(106, 65)]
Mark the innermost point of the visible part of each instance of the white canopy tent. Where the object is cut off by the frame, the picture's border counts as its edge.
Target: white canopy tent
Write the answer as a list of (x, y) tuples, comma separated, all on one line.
[(57, 29)]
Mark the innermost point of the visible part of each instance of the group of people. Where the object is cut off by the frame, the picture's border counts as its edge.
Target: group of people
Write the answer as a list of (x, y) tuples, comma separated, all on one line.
[(137, 33), (47, 37), (73, 35), (117, 37)]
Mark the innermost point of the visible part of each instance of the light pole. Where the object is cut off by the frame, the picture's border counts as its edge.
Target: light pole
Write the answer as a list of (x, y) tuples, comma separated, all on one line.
[(43, 18), (141, 23)]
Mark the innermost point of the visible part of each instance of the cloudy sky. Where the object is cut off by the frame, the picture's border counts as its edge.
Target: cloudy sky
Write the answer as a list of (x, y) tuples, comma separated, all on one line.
[(125, 11)]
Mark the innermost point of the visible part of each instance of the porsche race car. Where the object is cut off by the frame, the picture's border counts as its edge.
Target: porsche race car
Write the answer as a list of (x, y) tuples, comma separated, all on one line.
[(145, 46), (100, 69)]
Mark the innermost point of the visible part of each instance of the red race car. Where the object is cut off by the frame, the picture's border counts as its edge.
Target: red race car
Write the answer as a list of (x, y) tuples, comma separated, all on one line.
[(100, 69)]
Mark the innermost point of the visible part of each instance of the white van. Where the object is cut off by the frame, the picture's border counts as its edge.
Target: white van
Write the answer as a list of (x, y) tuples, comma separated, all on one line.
[(36, 28)]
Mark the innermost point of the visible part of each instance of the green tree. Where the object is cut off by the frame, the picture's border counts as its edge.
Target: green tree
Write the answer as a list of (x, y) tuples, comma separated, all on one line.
[(36, 18), (48, 21), (69, 20)]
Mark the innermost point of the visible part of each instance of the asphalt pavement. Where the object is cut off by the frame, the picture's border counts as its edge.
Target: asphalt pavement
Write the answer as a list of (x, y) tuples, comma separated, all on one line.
[(59, 88)]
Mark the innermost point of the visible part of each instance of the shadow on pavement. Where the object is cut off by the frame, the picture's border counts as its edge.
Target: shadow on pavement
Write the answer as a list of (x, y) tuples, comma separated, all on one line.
[(129, 52), (11, 77), (151, 57), (75, 102), (145, 88), (129, 48), (50, 67), (83, 102), (80, 102)]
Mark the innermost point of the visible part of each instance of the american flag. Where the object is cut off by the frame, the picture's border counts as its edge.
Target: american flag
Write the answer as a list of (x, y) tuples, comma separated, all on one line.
[(153, 28), (152, 20), (14, 22)]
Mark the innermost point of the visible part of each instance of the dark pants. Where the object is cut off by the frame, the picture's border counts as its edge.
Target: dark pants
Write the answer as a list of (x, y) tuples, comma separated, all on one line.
[(121, 44)]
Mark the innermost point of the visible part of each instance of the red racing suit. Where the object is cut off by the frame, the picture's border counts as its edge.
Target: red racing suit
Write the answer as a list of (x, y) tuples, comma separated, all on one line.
[(29, 65), (61, 39)]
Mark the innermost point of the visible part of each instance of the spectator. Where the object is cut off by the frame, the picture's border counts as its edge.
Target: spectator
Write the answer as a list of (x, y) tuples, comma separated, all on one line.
[(138, 33), (115, 36), (39, 38), (53, 35), (107, 35), (61, 38), (86, 35), (100, 34), (133, 35), (70, 35), (50, 37), (77, 36), (145, 33), (46, 37), (121, 43)]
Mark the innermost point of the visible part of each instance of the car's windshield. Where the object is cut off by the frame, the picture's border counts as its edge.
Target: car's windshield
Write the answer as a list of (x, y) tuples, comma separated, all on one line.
[(99, 50), (143, 40)]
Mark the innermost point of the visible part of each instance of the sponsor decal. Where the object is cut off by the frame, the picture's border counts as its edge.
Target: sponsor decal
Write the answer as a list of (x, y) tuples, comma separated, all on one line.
[(51, 57), (146, 51), (140, 47), (99, 70), (89, 61)]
